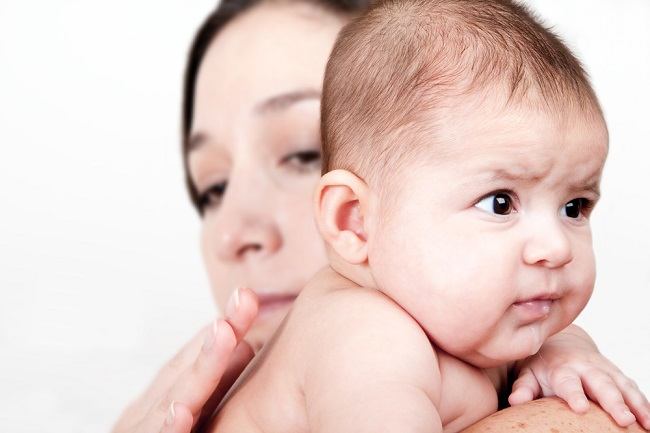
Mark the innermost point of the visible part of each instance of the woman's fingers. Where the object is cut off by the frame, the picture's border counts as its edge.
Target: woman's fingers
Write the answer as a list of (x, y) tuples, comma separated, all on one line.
[(193, 388), (240, 359), (195, 380), (241, 311), (525, 388), (178, 420), (199, 382), (203, 382), (140, 416), (174, 368), (602, 389)]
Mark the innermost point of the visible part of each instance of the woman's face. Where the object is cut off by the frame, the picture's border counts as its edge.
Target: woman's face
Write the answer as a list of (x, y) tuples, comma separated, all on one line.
[(254, 155)]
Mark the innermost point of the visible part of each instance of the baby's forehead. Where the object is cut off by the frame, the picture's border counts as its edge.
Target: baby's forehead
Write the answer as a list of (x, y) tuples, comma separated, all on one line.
[(490, 115), (528, 137)]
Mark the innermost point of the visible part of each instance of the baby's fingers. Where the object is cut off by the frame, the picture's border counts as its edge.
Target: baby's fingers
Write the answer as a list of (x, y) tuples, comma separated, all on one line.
[(636, 401), (602, 389), (566, 384), (525, 388)]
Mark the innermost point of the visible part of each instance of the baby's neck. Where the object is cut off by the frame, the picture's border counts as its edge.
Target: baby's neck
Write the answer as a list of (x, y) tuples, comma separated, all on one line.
[(359, 274)]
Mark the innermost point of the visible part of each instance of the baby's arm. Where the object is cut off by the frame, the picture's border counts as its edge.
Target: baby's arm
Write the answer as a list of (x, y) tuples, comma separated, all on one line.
[(373, 370)]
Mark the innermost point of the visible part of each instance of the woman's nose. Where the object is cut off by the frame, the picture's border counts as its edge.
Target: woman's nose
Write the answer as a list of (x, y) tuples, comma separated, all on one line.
[(245, 225), (547, 244), (242, 237)]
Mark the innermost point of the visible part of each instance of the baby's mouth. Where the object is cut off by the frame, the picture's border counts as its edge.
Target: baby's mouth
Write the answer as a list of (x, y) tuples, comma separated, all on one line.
[(532, 310)]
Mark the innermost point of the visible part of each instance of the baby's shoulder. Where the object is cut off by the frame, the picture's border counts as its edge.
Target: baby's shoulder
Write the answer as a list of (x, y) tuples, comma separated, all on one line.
[(362, 313), (359, 327)]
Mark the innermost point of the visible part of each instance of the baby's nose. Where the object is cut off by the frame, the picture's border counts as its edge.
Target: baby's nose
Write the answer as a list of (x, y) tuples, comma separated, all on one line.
[(548, 245)]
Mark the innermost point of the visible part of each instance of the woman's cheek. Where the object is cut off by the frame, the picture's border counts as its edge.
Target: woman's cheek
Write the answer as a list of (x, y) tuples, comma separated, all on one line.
[(220, 292), (307, 247)]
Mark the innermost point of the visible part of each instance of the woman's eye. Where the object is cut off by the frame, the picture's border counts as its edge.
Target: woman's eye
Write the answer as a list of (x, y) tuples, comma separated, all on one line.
[(576, 208), (303, 161), (500, 204), (212, 196)]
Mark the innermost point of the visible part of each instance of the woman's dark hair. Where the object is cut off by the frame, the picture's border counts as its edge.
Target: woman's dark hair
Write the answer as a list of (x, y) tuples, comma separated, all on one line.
[(213, 24)]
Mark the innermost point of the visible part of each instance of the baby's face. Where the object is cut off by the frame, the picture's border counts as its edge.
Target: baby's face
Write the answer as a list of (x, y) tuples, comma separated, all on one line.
[(488, 245)]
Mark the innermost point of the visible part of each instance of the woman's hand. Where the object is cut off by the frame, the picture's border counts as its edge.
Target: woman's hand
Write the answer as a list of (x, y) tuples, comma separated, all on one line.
[(569, 366), (190, 386)]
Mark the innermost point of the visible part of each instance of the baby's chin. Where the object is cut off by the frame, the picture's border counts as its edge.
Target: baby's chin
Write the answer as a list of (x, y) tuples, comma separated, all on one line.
[(525, 342), (538, 336)]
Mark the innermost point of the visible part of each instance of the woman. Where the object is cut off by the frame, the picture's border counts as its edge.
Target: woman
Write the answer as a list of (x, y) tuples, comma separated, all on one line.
[(251, 151)]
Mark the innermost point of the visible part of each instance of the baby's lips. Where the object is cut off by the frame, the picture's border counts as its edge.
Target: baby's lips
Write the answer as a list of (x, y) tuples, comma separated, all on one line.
[(534, 309)]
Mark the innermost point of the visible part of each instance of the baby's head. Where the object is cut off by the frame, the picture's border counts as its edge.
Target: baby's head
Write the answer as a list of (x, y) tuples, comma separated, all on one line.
[(463, 150)]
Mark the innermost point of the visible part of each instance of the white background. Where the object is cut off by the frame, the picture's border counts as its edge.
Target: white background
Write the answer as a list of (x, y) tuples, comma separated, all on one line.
[(100, 275)]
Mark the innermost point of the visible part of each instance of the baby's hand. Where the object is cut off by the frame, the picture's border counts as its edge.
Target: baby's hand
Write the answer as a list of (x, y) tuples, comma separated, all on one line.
[(569, 366)]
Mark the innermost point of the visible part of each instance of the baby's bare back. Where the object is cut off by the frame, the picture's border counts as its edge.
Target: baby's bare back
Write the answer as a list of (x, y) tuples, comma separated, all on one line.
[(279, 390)]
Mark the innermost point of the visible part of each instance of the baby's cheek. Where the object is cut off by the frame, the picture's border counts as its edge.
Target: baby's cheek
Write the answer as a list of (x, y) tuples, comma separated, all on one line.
[(585, 275), (581, 287), (583, 267)]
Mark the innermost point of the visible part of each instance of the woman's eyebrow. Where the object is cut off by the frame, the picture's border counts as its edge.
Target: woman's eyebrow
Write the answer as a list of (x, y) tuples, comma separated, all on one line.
[(277, 102), (284, 100)]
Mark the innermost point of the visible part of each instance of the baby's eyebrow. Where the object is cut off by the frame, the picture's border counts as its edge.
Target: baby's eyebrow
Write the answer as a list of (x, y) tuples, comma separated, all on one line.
[(591, 186), (518, 174), (482, 177), (590, 183)]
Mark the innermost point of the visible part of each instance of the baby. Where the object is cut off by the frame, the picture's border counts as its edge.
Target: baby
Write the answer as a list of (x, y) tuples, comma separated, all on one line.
[(463, 150)]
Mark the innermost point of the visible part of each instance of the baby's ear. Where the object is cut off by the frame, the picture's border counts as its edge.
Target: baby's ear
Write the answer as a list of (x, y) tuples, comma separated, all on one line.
[(341, 201)]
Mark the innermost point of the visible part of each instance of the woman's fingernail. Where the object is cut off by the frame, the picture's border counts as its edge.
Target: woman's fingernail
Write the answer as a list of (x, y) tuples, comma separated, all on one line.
[(171, 414), (210, 337), (233, 304)]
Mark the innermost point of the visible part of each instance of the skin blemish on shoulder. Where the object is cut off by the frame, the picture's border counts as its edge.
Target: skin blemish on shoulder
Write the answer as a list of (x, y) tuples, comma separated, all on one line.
[(554, 430), (521, 425)]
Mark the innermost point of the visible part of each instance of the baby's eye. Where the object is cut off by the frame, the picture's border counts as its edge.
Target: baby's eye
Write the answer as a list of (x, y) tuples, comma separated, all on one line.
[(499, 203), (576, 208), (303, 161), (211, 198)]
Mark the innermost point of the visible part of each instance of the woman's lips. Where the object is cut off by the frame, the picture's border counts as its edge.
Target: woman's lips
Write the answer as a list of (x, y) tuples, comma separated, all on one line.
[(270, 303)]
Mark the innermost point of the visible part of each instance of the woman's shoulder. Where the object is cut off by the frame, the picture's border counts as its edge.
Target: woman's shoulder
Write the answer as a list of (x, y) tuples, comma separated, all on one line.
[(549, 415)]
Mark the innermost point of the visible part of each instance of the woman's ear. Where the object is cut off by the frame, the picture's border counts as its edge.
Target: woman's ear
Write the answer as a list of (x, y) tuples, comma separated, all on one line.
[(341, 202)]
